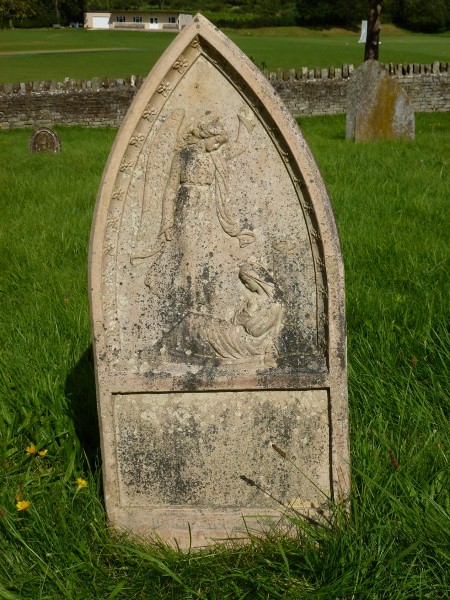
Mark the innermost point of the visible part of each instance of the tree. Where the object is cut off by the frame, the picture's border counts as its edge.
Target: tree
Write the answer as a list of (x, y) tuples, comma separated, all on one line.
[(63, 11), (71, 10), (427, 16), (342, 13), (11, 10), (373, 30)]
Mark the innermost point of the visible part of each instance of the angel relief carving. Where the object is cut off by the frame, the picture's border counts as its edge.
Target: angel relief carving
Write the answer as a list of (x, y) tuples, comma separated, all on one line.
[(196, 207), (200, 163), (183, 256), (251, 335)]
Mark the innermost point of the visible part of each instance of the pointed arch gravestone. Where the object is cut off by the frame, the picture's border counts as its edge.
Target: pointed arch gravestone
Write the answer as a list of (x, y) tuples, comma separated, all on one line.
[(217, 305)]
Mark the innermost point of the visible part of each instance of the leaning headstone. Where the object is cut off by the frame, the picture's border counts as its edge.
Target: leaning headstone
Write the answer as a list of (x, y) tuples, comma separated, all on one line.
[(217, 303), (378, 108), (44, 140)]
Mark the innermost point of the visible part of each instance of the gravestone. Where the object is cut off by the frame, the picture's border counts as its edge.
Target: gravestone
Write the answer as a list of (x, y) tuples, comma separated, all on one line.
[(217, 306), (363, 36), (378, 108), (44, 140)]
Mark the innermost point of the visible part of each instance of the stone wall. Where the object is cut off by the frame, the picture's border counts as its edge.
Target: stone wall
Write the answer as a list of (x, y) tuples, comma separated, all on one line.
[(104, 102), (324, 91), (96, 103)]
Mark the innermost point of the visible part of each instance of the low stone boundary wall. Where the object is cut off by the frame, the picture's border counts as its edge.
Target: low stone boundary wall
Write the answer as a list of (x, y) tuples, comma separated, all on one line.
[(104, 102), (95, 103), (324, 91)]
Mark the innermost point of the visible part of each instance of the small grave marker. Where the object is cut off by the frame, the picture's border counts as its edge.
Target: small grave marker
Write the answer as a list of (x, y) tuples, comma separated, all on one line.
[(44, 140), (217, 305), (378, 108)]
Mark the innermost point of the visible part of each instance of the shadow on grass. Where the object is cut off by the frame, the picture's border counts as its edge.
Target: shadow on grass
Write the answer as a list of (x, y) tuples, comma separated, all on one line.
[(80, 390)]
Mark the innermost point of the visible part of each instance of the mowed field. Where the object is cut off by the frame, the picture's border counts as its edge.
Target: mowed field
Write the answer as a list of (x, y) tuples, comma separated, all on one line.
[(391, 204), (29, 55)]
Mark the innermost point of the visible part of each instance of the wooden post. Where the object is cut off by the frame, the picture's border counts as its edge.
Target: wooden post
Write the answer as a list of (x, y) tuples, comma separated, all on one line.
[(373, 30)]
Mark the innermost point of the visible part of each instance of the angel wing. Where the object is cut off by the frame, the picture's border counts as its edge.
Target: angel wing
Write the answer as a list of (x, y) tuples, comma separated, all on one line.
[(157, 170)]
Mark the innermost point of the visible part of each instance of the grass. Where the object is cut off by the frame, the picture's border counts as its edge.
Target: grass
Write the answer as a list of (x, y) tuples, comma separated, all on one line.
[(391, 204), (40, 54)]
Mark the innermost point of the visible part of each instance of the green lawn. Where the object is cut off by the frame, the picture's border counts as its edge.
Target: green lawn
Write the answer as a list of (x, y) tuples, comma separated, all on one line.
[(391, 205), (77, 53)]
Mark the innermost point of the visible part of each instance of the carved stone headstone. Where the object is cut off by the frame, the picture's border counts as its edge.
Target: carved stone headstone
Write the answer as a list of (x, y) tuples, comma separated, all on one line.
[(378, 108), (44, 140), (217, 306)]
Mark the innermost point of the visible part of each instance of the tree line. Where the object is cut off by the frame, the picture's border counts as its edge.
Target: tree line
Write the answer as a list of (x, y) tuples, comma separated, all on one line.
[(428, 16), (41, 13)]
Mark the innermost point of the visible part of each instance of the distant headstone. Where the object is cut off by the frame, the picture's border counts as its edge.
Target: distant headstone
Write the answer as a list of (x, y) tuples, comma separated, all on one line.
[(44, 140), (363, 36), (378, 108), (217, 304)]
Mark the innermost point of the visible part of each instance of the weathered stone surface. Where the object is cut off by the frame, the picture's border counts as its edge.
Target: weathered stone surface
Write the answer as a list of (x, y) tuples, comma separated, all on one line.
[(44, 139), (377, 107), (226, 435), (217, 305)]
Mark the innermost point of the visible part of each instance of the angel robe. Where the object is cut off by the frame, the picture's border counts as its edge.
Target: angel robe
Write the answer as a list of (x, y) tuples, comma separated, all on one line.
[(195, 212)]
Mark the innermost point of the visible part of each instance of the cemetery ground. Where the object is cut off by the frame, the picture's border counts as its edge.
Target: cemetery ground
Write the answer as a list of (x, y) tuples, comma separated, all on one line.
[(40, 54), (391, 205)]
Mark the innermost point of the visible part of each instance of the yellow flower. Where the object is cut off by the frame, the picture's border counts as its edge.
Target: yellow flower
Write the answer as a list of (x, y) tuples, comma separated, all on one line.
[(23, 505), (31, 450), (81, 483), (42, 452)]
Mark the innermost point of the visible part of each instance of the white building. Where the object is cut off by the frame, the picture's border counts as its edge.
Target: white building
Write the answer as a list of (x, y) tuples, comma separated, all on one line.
[(138, 20)]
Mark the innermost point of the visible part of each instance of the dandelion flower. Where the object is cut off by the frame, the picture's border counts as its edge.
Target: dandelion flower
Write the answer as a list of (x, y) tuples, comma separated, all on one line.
[(23, 505), (43, 452), (31, 450), (81, 483)]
